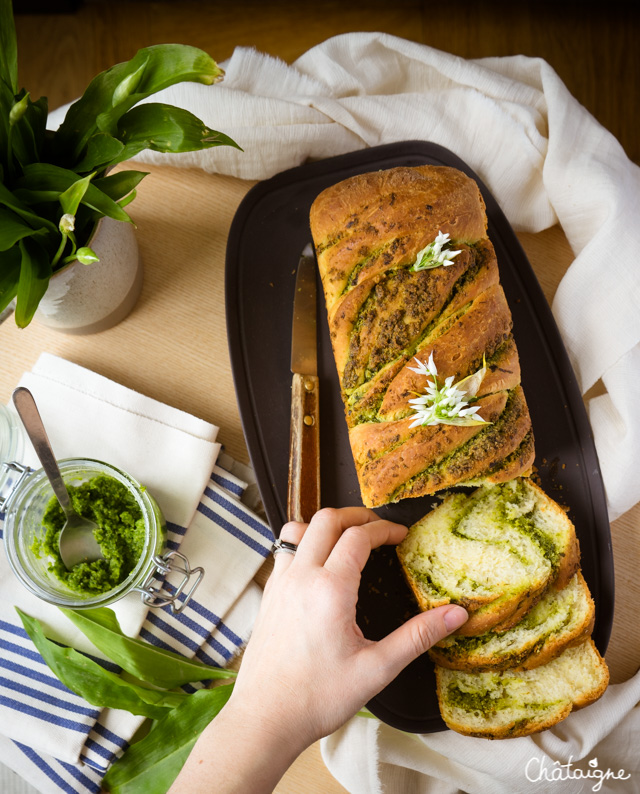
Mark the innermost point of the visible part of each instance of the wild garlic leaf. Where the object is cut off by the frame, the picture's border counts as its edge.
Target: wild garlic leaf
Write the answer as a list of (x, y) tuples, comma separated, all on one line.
[(139, 658), (95, 684), (43, 181), (164, 128), (70, 198), (29, 131), (8, 47), (9, 276), (120, 184), (9, 199), (102, 150), (115, 91), (35, 272), (12, 229), (151, 765)]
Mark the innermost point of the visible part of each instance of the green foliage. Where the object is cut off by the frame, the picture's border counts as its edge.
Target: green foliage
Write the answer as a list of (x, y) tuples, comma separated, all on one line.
[(156, 666), (46, 175), (150, 764), (95, 684)]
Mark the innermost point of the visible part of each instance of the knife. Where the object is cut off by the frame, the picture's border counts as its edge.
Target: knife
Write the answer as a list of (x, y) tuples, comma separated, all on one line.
[(303, 498)]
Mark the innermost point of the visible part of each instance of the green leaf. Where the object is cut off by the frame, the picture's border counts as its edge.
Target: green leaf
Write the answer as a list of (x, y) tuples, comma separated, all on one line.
[(35, 272), (9, 199), (8, 47), (120, 184), (70, 199), (144, 661), (151, 765), (7, 98), (9, 276), (42, 181), (12, 229), (102, 150), (164, 128), (113, 92), (95, 684), (28, 132)]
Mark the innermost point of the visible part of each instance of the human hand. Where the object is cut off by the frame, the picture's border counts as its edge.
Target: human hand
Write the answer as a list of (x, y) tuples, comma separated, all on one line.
[(308, 667)]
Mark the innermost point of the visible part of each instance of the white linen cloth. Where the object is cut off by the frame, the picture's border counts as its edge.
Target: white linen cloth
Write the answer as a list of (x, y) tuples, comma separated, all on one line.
[(50, 736), (546, 160)]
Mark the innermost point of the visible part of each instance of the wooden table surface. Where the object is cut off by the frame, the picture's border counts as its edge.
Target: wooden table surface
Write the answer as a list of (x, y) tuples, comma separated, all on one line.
[(173, 346)]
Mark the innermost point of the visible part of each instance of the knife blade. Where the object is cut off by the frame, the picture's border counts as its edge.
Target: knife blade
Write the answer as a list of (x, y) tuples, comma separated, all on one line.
[(303, 498)]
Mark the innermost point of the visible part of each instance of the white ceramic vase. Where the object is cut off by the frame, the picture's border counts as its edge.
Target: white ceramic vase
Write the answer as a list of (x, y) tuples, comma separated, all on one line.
[(85, 299)]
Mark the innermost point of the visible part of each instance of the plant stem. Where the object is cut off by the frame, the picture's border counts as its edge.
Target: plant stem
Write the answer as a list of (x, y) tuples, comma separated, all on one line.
[(55, 259)]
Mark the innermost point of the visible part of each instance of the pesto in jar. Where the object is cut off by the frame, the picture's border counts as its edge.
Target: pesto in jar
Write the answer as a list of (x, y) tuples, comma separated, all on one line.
[(120, 533)]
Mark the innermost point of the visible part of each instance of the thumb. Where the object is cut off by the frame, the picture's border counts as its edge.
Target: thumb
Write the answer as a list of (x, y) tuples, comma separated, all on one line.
[(395, 651)]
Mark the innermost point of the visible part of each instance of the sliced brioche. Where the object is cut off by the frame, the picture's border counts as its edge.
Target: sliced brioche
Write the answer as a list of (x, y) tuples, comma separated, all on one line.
[(500, 705), (494, 551), (560, 619)]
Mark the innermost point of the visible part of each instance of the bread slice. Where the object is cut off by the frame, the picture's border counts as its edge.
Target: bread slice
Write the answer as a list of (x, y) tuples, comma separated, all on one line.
[(560, 619), (494, 551), (370, 232), (500, 705)]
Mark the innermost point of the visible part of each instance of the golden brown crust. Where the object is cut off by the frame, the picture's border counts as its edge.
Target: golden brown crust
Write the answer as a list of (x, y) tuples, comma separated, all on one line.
[(367, 231), (386, 471), (382, 218), (484, 327)]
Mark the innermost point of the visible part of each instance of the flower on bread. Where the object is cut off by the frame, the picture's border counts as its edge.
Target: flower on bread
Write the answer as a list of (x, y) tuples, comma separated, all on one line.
[(446, 403), (435, 254)]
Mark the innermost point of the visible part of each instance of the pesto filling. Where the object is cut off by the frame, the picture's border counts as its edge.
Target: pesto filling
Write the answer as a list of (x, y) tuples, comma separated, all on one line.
[(479, 700), (120, 533), (482, 702), (386, 354)]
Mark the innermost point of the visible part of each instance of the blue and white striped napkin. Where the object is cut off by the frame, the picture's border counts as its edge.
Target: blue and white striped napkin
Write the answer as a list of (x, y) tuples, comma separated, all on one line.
[(51, 737)]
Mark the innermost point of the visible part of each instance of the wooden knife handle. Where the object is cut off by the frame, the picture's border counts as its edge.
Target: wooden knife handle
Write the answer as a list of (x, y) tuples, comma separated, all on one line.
[(304, 449)]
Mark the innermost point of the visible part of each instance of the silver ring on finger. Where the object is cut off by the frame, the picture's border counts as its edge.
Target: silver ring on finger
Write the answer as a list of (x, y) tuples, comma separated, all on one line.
[(283, 546)]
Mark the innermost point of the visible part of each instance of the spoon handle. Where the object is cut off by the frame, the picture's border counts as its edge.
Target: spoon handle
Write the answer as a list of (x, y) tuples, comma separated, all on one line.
[(32, 421)]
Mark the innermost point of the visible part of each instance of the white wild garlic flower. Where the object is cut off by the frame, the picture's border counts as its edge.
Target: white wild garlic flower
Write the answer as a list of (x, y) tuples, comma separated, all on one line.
[(435, 255), (447, 404)]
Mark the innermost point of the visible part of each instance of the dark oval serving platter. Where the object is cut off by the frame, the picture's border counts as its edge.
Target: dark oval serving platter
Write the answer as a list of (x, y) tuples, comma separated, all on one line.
[(268, 233)]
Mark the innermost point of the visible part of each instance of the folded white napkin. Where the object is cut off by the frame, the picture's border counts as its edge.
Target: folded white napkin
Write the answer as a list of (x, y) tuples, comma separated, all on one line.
[(51, 737)]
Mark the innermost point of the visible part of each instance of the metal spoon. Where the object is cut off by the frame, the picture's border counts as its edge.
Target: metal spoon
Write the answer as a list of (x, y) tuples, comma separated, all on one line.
[(76, 542)]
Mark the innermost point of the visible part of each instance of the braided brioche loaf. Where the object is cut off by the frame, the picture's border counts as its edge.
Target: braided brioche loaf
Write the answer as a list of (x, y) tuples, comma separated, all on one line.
[(384, 315)]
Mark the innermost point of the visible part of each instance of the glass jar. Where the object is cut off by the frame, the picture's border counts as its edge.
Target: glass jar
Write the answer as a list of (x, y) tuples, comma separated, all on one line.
[(24, 508), (11, 445)]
